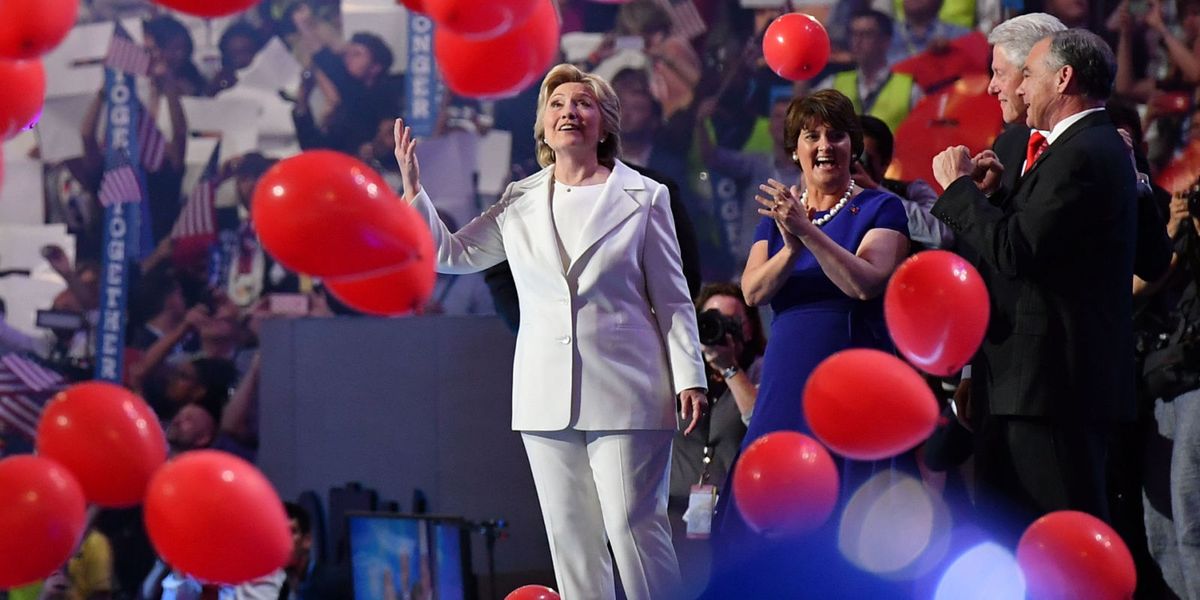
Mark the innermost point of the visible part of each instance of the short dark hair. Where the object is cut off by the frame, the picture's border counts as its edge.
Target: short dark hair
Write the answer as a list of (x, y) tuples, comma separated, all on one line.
[(1089, 56), (380, 53), (216, 376), (874, 128), (639, 79), (883, 21), (757, 344), (165, 27), (240, 29), (153, 289), (297, 512), (824, 107)]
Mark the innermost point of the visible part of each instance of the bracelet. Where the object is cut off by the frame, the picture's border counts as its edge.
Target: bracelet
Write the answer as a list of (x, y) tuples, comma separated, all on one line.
[(727, 374)]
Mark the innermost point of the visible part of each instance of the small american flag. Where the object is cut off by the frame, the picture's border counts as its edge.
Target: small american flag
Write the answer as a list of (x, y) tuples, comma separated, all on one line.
[(120, 184), (152, 144), (24, 387), (198, 217), (685, 18), (125, 55)]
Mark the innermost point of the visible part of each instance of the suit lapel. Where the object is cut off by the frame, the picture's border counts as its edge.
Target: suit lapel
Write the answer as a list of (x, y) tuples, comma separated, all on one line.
[(540, 220), (614, 205), (1096, 118)]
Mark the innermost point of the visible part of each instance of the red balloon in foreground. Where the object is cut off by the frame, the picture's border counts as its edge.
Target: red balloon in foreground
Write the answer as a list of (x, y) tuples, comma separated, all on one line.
[(215, 516), (867, 405), (417, 6), (473, 67), (22, 91), (402, 291), (532, 592), (41, 516), (208, 8), (796, 46), (937, 309), (31, 28), (107, 437), (785, 483), (1071, 554), (328, 214), (480, 20)]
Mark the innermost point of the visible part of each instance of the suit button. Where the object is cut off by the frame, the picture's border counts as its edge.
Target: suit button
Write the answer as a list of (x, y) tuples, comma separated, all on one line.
[(566, 339)]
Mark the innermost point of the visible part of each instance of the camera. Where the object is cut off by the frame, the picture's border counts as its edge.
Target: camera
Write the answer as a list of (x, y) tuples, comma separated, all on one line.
[(714, 326), (1193, 201)]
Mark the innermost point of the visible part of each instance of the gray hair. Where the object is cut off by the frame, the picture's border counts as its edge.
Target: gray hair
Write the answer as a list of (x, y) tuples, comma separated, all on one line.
[(1016, 36), (1089, 56)]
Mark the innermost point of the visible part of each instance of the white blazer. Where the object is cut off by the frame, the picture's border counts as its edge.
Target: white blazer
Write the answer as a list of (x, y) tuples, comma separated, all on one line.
[(612, 338)]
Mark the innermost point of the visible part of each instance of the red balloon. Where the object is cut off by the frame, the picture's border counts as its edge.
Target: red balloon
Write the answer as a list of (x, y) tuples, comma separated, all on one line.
[(107, 437), (785, 483), (470, 68), (796, 46), (402, 291), (42, 515), (215, 516), (867, 405), (476, 20), (532, 592), (937, 309), (31, 28), (1071, 554), (22, 90), (208, 8), (327, 214), (417, 6)]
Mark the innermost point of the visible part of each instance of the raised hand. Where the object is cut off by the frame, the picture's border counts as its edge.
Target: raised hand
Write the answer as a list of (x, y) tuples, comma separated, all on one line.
[(406, 158), (782, 204)]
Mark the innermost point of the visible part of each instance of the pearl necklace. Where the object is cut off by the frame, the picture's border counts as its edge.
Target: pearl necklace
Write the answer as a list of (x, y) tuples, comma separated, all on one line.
[(833, 211)]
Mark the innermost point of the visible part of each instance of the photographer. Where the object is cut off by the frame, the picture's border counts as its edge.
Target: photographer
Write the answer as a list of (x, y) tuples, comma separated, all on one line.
[(1171, 376), (731, 336)]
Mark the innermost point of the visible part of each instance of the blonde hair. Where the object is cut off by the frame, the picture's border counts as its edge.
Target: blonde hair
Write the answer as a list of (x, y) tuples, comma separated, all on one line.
[(610, 113)]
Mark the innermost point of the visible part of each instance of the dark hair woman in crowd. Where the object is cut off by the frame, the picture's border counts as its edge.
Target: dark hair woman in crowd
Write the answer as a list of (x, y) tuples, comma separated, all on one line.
[(822, 258)]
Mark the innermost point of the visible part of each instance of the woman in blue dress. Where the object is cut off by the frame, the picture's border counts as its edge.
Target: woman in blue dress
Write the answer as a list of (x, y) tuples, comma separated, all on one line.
[(822, 258)]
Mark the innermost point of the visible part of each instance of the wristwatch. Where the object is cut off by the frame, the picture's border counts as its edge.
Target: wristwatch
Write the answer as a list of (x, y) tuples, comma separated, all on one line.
[(728, 374)]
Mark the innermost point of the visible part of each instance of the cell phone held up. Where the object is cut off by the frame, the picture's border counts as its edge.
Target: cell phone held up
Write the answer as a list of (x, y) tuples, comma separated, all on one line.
[(288, 304)]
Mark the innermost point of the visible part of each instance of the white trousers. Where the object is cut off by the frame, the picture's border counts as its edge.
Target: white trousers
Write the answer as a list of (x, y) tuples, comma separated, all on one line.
[(595, 486)]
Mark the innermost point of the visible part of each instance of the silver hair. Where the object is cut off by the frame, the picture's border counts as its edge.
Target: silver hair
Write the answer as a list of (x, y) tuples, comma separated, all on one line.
[(1016, 36)]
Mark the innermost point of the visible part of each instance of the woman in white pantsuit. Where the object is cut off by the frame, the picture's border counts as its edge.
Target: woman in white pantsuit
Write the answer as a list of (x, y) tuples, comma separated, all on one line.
[(607, 337)]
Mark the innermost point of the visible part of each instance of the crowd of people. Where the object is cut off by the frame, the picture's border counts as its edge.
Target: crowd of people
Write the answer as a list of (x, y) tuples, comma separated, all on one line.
[(643, 364)]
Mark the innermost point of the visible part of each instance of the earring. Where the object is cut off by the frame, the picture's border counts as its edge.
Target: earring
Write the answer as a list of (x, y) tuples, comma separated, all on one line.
[(795, 158)]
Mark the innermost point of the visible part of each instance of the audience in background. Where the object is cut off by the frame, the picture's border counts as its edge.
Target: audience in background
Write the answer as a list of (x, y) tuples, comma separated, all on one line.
[(699, 107)]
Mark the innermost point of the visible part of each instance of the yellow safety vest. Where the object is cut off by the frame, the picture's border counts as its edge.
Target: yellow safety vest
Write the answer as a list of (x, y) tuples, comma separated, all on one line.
[(958, 12), (892, 103)]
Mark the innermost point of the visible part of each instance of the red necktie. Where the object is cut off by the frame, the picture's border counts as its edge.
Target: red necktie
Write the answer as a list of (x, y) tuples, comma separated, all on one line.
[(1037, 145)]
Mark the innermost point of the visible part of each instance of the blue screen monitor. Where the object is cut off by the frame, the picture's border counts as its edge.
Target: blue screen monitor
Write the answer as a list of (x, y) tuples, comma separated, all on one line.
[(409, 557)]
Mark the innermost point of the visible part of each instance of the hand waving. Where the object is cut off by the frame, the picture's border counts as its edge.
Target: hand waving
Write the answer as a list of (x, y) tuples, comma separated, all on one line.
[(406, 157)]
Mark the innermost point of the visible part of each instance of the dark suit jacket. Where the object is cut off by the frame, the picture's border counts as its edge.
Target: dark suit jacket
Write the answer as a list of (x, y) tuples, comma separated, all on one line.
[(504, 291), (1056, 251), (1153, 255)]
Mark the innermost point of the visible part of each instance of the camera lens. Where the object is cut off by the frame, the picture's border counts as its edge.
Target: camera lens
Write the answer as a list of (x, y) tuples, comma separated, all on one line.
[(711, 327)]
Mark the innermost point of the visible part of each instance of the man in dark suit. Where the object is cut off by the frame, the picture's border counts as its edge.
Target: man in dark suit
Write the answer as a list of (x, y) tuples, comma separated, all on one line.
[(1057, 252)]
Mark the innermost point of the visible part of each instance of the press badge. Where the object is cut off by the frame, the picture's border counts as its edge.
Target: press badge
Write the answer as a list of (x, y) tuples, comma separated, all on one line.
[(699, 513)]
